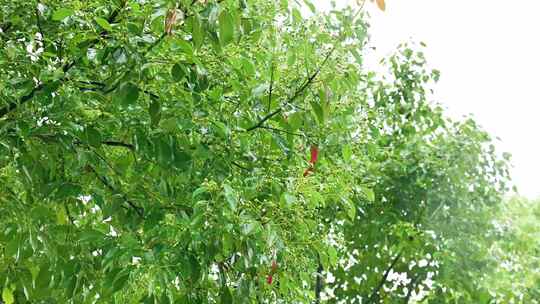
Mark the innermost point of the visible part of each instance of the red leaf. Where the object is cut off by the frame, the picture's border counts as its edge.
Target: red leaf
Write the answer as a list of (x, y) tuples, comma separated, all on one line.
[(269, 279), (314, 154)]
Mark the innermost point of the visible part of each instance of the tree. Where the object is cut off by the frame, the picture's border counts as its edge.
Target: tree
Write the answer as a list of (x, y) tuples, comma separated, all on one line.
[(513, 254), (158, 152), (436, 182)]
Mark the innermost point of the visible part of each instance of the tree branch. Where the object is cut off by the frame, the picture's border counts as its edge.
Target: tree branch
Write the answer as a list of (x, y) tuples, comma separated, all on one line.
[(103, 180), (411, 287), (375, 294), (234, 163), (296, 94), (14, 104), (118, 144), (271, 84), (318, 283), (40, 29), (264, 119), (282, 131), (112, 143)]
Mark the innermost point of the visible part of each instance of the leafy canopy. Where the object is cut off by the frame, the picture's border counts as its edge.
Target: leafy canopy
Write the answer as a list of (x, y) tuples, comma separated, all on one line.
[(159, 151)]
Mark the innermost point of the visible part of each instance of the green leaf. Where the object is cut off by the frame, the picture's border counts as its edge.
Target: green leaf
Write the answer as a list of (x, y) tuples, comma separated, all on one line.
[(323, 97), (227, 243), (61, 216), (12, 249), (120, 280), (295, 120), (197, 192), (230, 196), (7, 295), (346, 151), (184, 47), (197, 31), (128, 94), (350, 207), (226, 28), (356, 56), (332, 256), (91, 235), (61, 13), (287, 199), (181, 158), (259, 90), (369, 193), (92, 137), (195, 268), (311, 6), (296, 15), (66, 190), (44, 277), (178, 72), (226, 296), (169, 124), (318, 110), (103, 23), (155, 112)]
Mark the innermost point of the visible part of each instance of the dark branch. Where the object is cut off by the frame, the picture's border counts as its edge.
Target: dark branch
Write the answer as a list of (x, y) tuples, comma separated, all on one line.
[(264, 119), (118, 144), (375, 294), (411, 287), (153, 45), (94, 83), (152, 95), (239, 166), (271, 85), (282, 131), (13, 105), (68, 213), (296, 94), (318, 283), (103, 180), (112, 143), (40, 29)]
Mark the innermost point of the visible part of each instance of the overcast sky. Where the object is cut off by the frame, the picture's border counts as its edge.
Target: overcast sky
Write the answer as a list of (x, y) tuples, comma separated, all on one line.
[(488, 52)]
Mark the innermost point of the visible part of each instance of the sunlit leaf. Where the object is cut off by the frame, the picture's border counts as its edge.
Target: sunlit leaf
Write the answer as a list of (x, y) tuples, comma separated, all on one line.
[(226, 28), (7, 295), (103, 23), (62, 13)]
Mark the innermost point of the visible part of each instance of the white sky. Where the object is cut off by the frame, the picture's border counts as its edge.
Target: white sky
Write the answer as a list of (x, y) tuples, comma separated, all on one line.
[(488, 52)]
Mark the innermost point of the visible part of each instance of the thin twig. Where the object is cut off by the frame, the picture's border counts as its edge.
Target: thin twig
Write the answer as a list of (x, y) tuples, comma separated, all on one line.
[(318, 282), (375, 292), (40, 29), (282, 131), (118, 144), (271, 84), (103, 180), (411, 287), (264, 119), (296, 94), (234, 163), (12, 106)]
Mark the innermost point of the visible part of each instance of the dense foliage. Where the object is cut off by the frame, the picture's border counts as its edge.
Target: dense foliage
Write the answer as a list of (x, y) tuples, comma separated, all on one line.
[(514, 253), (231, 151)]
